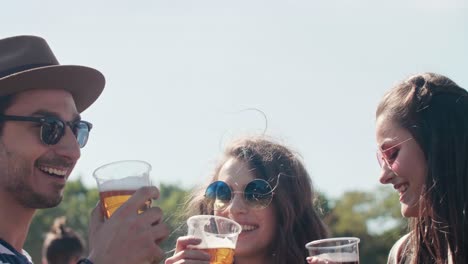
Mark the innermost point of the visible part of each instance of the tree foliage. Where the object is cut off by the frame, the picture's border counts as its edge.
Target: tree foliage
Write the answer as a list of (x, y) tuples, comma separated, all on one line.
[(172, 202), (373, 217)]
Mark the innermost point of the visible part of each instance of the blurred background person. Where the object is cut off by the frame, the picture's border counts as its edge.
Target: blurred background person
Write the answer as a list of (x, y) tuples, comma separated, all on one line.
[(62, 245)]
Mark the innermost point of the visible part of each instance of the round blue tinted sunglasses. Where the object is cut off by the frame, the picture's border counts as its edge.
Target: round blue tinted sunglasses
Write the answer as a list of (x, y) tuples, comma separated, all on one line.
[(257, 194), (53, 128)]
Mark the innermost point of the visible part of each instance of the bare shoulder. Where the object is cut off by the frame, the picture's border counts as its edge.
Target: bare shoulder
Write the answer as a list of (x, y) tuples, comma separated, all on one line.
[(396, 252)]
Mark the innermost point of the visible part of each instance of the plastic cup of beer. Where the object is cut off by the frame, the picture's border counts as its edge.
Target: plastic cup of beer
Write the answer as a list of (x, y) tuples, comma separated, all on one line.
[(337, 250), (117, 181), (218, 234)]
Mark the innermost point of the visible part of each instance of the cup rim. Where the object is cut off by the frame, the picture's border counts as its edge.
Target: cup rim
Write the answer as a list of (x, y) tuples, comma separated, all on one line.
[(193, 217), (312, 244), (119, 161)]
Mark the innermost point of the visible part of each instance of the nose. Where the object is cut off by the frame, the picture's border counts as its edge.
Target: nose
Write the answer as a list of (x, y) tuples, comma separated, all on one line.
[(238, 205), (68, 146), (386, 174)]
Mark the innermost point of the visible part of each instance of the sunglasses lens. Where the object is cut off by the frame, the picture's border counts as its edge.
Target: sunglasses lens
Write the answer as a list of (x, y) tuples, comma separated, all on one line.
[(380, 158), (218, 190), (258, 193), (52, 130), (219, 194), (81, 131)]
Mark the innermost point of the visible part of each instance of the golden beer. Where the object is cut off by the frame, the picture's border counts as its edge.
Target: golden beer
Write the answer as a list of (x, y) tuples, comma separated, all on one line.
[(218, 234), (112, 200), (118, 181), (220, 255)]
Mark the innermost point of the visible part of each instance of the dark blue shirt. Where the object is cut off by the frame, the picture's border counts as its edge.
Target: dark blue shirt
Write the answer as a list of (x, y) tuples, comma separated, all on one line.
[(9, 255)]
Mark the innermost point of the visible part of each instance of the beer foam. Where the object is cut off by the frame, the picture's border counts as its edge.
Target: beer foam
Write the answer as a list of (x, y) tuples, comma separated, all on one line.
[(339, 257), (213, 241), (127, 183)]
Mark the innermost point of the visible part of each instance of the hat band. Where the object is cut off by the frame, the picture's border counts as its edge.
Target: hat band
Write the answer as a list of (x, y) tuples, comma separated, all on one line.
[(23, 68)]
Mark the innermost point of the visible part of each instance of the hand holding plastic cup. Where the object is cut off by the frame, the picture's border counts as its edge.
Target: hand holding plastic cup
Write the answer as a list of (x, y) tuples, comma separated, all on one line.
[(117, 181), (218, 234), (338, 250)]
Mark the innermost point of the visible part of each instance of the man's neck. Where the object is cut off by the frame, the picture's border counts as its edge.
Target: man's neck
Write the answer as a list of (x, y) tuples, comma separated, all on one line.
[(14, 221)]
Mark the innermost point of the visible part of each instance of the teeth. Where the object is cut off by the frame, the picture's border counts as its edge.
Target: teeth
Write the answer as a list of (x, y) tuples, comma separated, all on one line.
[(248, 227), (403, 188), (53, 171)]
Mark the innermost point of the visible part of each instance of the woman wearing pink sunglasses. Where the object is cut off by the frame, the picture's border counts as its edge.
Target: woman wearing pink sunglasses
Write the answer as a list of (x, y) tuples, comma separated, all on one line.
[(422, 133), (264, 187)]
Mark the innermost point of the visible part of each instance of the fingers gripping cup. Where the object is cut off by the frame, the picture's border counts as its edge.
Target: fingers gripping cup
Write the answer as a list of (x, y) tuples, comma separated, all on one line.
[(117, 181), (218, 234), (339, 250)]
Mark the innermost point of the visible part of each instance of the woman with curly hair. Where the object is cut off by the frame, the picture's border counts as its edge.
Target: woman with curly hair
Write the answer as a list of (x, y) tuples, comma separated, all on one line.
[(265, 187)]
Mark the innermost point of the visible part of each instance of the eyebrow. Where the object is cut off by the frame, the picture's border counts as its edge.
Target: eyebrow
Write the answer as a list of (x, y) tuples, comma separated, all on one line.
[(42, 112)]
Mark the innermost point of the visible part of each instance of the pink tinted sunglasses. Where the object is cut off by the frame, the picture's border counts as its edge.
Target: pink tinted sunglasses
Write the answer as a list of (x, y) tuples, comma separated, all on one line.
[(381, 157)]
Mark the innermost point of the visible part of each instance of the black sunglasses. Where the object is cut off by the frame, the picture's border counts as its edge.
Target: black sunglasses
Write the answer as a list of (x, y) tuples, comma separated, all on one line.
[(53, 128), (257, 194)]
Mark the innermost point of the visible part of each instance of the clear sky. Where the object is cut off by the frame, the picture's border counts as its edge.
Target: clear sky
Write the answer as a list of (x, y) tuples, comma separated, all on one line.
[(180, 73)]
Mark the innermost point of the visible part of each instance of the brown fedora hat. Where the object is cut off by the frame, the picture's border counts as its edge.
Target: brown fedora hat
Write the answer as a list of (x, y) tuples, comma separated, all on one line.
[(27, 62)]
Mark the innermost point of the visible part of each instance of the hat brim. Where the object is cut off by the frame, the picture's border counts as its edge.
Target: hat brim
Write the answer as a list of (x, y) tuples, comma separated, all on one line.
[(85, 84)]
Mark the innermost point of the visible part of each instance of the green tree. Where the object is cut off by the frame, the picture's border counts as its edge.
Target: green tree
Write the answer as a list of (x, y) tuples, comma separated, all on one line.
[(172, 202), (372, 216)]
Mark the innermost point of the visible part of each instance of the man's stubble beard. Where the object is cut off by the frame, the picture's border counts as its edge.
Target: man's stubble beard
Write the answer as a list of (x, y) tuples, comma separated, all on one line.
[(16, 171)]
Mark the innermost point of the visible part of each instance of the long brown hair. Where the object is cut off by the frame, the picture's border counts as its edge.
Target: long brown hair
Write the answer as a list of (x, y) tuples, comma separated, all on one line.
[(434, 109), (297, 218)]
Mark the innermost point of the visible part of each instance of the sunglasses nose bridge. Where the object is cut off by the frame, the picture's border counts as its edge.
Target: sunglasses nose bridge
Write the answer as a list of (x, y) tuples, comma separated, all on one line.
[(381, 159), (67, 144), (257, 194), (81, 132), (238, 202)]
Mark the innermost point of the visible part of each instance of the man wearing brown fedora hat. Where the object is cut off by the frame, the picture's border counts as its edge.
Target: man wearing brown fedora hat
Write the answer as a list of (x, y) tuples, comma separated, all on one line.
[(41, 133)]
